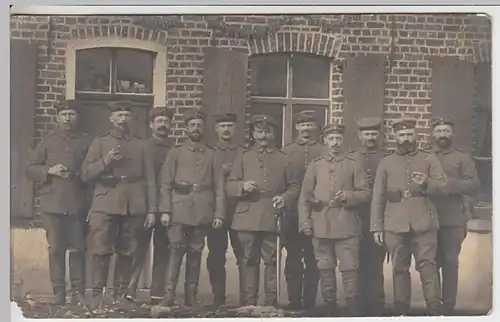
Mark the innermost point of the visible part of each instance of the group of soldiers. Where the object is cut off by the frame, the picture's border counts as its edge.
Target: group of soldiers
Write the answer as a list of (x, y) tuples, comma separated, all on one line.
[(327, 205)]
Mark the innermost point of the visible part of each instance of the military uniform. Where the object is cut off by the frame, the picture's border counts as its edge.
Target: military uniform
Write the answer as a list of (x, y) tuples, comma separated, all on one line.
[(302, 281), (63, 204), (217, 239), (402, 210), (158, 149), (463, 182), (371, 255), (194, 196), (335, 225), (124, 191), (255, 217)]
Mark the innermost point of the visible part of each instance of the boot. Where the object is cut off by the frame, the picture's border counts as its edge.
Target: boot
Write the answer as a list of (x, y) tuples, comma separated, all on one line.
[(350, 282), (193, 265), (57, 271), (250, 284), (449, 288), (270, 284), (328, 283), (217, 274), (311, 280), (125, 264), (431, 287), (172, 276), (77, 276), (294, 286), (100, 268)]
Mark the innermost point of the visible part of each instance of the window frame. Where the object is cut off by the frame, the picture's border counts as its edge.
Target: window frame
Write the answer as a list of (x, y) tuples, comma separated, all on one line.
[(288, 102)]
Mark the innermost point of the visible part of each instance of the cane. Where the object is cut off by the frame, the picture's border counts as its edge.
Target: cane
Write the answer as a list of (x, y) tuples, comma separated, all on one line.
[(278, 257)]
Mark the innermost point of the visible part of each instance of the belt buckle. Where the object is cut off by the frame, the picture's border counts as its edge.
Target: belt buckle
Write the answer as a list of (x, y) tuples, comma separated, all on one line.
[(407, 194), (196, 187), (332, 203)]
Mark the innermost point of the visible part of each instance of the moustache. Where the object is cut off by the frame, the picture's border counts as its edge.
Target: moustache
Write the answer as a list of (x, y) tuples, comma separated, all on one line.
[(164, 128)]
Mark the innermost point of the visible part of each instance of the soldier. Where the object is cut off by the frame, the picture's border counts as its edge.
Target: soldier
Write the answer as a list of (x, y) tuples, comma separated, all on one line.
[(371, 255), (463, 182), (121, 168), (404, 219), (302, 281), (334, 186), (55, 164), (262, 181), (159, 145), (192, 201), (217, 239)]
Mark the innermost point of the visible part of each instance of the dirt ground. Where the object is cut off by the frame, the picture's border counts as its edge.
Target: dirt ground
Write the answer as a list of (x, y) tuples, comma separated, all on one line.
[(31, 287)]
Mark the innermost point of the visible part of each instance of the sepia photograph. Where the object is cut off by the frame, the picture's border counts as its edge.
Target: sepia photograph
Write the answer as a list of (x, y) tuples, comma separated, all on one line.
[(251, 165)]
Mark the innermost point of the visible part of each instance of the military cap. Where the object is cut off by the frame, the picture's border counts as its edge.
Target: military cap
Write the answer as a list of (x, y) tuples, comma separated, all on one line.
[(306, 116), (65, 105), (404, 123), (369, 123), (160, 111), (118, 106), (194, 114), (263, 120), (443, 120), (225, 117), (333, 128)]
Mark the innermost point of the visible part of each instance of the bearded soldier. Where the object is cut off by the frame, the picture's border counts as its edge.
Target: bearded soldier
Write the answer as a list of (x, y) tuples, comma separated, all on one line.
[(302, 281), (463, 182), (334, 187), (371, 255), (55, 163), (404, 219), (262, 181)]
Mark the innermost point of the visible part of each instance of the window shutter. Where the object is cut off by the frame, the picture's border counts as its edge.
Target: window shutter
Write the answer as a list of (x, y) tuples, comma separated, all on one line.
[(453, 95), (364, 85), (225, 87), (22, 108)]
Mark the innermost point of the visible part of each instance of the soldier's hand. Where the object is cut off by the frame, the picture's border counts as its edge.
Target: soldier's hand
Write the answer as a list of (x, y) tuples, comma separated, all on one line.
[(249, 186), (419, 178), (217, 223), (150, 221), (227, 167), (308, 232), (370, 179), (340, 196), (278, 202), (58, 170), (165, 219), (379, 238), (113, 155)]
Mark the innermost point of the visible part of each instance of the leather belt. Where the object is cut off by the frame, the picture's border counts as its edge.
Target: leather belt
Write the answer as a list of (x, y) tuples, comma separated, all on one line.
[(185, 188), (114, 180), (395, 196)]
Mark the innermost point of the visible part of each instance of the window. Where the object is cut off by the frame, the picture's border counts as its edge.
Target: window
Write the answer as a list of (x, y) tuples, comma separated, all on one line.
[(283, 85), (483, 159)]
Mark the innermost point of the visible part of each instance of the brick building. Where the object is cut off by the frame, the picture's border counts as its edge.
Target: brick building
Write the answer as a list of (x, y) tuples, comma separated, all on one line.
[(343, 66)]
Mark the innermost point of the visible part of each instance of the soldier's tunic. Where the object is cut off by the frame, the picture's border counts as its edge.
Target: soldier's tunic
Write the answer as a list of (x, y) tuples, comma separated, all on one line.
[(404, 212), (302, 281), (63, 203), (217, 239), (254, 219), (193, 194), (463, 182), (158, 149), (371, 255), (124, 191), (336, 226)]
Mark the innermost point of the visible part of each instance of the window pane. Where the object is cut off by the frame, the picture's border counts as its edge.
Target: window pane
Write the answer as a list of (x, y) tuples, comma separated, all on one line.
[(134, 71), (310, 77), (274, 110), (93, 70), (320, 112), (269, 75)]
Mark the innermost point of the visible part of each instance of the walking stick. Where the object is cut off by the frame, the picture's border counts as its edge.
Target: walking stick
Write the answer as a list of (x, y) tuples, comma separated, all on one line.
[(278, 257)]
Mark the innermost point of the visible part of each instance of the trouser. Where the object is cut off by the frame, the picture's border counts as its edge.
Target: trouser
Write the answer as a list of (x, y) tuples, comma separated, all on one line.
[(190, 241), (371, 275), (160, 258), (423, 246), (449, 246), (114, 234), (65, 233), (217, 242), (301, 270), (346, 251), (257, 245)]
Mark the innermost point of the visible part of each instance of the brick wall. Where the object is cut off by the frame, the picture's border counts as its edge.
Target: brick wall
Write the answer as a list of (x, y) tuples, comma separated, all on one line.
[(406, 40)]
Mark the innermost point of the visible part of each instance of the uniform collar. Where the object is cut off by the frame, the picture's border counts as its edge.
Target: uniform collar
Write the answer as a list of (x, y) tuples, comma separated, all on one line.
[(438, 150), (163, 142), (264, 150), (339, 157), (66, 134), (222, 145), (366, 151), (302, 141), (194, 146), (398, 151), (114, 132)]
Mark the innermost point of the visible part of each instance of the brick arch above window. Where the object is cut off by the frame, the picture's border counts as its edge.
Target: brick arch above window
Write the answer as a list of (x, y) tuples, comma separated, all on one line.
[(159, 68), (316, 43)]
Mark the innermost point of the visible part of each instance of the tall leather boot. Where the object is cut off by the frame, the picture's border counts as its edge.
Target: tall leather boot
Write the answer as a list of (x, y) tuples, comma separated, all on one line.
[(402, 290), (172, 276), (193, 265), (311, 281), (251, 284), (216, 265), (57, 271), (449, 287), (117, 280), (100, 268), (77, 276), (294, 279), (350, 282), (328, 285), (125, 266), (431, 287), (242, 281), (270, 283)]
